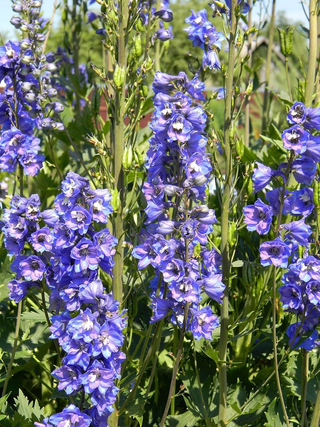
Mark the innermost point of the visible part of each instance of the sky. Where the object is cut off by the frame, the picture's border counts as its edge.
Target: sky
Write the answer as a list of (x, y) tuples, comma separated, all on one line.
[(292, 8)]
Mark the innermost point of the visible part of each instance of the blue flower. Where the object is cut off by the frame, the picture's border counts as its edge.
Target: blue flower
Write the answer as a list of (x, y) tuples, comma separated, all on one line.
[(258, 217), (274, 252)]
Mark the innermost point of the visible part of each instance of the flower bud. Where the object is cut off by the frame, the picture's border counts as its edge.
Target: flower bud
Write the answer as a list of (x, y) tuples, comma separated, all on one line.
[(200, 179), (119, 76), (26, 59), (17, 8), (58, 107), (172, 190), (16, 21), (127, 157), (57, 126), (52, 92), (50, 67), (166, 227), (26, 86), (30, 97), (25, 44)]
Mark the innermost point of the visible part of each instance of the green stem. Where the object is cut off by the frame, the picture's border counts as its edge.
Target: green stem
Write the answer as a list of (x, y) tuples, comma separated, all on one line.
[(16, 333), (14, 349), (119, 137), (274, 296), (313, 37), (176, 365), (268, 67), (288, 80), (275, 346), (225, 221), (304, 382), (317, 90), (247, 100), (316, 412)]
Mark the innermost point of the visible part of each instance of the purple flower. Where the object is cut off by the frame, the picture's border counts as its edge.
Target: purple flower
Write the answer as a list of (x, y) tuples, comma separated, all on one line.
[(70, 416), (274, 252), (97, 377), (203, 323), (297, 113), (299, 231), (258, 217), (295, 138), (68, 377), (78, 219), (304, 170), (290, 296), (84, 326), (262, 176), (109, 341), (18, 289), (295, 333), (301, 202), (41, 240), (32, 268), (86, 255), (313, 292)]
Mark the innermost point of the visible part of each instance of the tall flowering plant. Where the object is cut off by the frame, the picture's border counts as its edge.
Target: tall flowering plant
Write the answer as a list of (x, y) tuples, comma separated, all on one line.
[(178, 220), (61, 251)]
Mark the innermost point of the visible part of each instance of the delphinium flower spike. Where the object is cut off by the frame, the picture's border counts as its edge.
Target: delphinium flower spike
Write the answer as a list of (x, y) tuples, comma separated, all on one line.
[(63, 250), (299, 293), (178, 219), (27, 101)]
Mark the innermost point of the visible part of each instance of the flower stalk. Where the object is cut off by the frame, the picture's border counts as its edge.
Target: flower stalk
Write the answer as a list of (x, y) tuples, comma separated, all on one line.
[(225, 220), (118, 150), (266, 106), (312, 62)]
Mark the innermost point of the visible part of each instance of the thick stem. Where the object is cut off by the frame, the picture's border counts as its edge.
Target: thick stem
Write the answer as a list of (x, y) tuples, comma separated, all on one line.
[(225, 221), (118, 146), (316, 412), (288, 80), (118, 152), (317, 90), (247, 101), (304, 382), (265, 107), (312, 62)]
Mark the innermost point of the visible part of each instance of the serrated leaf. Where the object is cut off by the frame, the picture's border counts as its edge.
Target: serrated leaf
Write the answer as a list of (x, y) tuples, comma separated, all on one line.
[(27, 410), (272, 416), (23, 407), (4, 399)]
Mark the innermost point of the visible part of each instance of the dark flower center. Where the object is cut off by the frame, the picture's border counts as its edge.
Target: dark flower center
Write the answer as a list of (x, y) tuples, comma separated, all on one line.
[(274, 251), (84, 251), (35, 265)]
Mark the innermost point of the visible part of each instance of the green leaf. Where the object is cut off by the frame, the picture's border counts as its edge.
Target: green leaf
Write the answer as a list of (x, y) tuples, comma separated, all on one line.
[(3, 400), (184, 420), (273, 416), (276, 142), (23, 407), (238, 263), (27, 410)]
